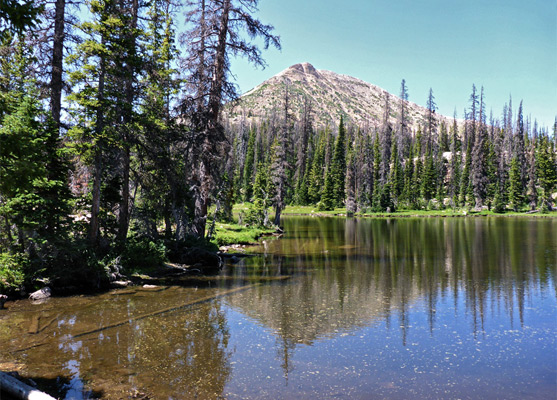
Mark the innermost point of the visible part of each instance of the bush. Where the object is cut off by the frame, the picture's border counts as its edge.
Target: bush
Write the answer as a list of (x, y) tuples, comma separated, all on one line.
[(143, 254), (11, 272)]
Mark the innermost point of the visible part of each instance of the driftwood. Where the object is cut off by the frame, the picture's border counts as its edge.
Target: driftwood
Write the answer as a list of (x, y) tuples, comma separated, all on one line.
[(20, 390)]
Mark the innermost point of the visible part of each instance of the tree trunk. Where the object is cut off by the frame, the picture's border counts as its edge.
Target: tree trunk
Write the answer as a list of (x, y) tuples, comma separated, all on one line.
[(96, 202), (99, 128), (124, 209), (57, 62), (212, 129)]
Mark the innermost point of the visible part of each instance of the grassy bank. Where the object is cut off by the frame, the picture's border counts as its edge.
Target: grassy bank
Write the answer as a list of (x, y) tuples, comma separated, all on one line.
[(227, 234), (312, 210)]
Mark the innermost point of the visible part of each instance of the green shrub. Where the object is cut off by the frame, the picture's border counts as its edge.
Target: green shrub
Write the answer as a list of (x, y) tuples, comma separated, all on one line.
[(143, 254), (11, 272)]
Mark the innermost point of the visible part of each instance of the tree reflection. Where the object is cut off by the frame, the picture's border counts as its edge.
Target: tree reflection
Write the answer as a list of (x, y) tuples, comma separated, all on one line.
[(181, 354), (350, 273)]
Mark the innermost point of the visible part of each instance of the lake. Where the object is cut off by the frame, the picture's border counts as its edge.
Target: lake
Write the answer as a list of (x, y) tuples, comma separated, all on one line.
[(443, 308)]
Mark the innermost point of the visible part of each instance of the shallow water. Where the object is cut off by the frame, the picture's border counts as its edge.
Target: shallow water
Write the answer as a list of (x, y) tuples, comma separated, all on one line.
[(391, 309)]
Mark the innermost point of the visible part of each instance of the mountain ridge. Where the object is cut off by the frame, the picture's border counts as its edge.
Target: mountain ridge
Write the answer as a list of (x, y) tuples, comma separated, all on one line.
[(332, 94)]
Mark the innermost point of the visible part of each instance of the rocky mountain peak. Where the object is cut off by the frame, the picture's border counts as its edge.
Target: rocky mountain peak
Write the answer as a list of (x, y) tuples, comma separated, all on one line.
[(332, 95), (305, 68)]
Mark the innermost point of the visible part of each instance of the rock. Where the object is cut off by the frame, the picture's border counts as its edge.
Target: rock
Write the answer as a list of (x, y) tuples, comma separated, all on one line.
[(3, 299), (150, 286), (206, 261), (41, 294), (120, 284)]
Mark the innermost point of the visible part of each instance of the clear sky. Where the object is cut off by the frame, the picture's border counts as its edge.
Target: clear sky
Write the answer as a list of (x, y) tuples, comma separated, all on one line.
[(507, 46)]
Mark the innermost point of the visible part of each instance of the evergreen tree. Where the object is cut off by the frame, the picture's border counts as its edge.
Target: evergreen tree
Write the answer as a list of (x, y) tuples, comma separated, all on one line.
[(455, 163), (531, 185), (480, 159), (409, 193), (259, 216), (396, 178), (34, 196), (350, 183), (515, 185), (429, 177), (248, 166), (316, 174), (215, 33), (338, 165), (546, 170), (277, 178)]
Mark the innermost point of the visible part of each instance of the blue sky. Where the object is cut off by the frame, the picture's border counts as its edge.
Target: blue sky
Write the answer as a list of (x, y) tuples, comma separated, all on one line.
[(509, 47)]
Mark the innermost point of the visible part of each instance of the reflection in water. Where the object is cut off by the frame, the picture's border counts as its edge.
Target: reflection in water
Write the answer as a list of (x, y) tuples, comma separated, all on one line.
[(182, 355), (399, 308), (355, 271)]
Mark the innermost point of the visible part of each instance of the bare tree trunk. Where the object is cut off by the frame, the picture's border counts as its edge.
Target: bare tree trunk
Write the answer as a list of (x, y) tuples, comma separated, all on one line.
[(57, 62), (212, 132)]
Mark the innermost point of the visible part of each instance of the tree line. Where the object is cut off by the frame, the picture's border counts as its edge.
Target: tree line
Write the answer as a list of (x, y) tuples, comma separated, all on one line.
[(480, 161)]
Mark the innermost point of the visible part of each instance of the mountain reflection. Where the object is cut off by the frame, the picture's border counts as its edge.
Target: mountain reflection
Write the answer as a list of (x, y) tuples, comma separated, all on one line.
[(355, 287), (349, 273)]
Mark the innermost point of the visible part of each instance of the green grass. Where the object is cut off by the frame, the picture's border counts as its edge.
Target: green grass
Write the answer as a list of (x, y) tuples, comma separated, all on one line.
[(227, 234), (341, 211), (311, 210), (449, 212)]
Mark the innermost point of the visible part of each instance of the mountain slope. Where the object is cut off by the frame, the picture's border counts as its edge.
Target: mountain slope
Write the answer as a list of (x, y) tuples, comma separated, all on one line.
[(332, 95)]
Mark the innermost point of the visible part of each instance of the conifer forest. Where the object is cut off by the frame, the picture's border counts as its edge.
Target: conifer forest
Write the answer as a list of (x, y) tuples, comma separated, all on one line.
[(115, 146)]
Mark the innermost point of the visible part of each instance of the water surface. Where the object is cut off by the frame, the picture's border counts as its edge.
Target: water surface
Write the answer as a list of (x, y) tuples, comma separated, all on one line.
[(393, 309)]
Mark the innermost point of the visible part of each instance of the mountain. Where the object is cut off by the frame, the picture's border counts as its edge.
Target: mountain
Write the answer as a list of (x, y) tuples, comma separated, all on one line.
[(332, 95)]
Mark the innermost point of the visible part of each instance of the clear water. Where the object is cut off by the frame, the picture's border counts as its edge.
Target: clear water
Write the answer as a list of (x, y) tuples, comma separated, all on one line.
[(441, 308)]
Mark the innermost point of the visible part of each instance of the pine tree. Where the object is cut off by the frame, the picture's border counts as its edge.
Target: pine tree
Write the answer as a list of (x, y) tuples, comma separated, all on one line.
[(431, 121), (102, 100), (338, 165), (515, 185), (479, 159), (34, 196), (409, 193), (396, 178), (328, 198), (531, 178), (428, 182), (316, 174), (546, 170), (350, 183), (259, 215), (215, 33), (403, 141), (455, 163), (277, 178), (248, 166)]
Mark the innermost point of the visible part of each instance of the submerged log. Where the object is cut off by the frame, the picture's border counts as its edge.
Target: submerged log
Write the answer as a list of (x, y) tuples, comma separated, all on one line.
[(20, 390), (146, 315)]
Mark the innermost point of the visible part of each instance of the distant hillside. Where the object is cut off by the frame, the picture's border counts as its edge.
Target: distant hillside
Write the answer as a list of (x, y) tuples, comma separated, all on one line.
[(332, 95)]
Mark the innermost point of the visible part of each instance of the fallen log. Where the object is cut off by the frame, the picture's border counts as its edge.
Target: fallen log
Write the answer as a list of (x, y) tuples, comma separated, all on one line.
[(20, 390), (164, 311)]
